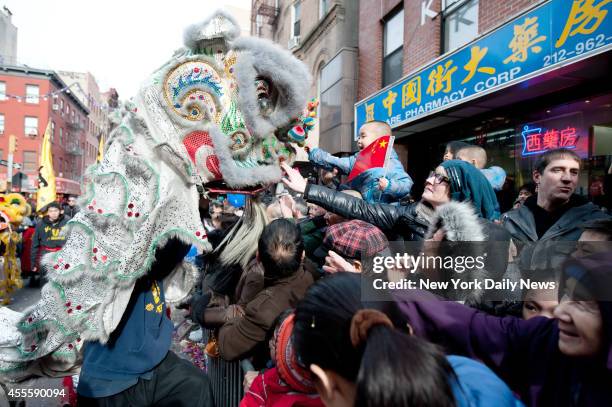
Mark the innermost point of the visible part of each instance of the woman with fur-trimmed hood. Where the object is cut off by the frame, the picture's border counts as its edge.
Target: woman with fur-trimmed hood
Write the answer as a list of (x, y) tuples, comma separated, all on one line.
[(456, 232)]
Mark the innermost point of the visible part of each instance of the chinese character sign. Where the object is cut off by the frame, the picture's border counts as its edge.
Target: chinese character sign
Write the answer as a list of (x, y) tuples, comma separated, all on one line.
[(549, 35), (537, 140)]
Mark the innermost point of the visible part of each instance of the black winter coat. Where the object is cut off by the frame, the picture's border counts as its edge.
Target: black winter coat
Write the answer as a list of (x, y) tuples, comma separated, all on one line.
[(409, 222)]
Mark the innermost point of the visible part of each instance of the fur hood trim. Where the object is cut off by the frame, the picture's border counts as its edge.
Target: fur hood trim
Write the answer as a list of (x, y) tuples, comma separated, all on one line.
[(460, 221)]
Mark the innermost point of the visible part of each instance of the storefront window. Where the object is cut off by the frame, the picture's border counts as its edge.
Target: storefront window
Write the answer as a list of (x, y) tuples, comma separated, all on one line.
[(516, 143)]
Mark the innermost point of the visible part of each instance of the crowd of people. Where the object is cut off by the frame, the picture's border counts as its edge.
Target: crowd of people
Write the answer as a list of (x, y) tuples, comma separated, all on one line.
[(289, 296), (295, 309)]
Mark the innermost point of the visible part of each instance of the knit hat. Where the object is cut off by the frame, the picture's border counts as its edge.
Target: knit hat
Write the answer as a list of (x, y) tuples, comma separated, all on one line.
[(355, 239), (467, 183), (289, 369)]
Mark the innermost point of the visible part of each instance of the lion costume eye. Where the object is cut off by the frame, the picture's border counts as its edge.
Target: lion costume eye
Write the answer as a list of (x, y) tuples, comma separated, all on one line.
[(266, 97)]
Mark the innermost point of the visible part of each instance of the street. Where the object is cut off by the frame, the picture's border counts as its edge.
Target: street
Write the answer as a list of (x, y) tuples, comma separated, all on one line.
[(21, 300)]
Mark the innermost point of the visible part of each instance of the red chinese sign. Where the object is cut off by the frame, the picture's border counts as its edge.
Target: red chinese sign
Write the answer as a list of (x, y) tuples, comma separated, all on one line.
[(539, 140)]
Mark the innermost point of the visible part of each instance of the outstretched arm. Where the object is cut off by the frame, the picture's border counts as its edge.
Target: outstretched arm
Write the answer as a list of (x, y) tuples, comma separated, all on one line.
[(382, 215), (324, 159)]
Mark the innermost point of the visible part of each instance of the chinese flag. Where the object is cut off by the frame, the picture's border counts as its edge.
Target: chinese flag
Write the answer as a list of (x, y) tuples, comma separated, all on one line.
[(373, 156)]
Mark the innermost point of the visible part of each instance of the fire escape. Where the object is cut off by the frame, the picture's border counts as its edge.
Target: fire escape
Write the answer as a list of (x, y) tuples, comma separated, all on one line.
[(264, 14)]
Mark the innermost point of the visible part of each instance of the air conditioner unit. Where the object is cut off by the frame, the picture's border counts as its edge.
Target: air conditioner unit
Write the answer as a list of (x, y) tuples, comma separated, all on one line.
[(32, 133), (55, 106), (294, 42)]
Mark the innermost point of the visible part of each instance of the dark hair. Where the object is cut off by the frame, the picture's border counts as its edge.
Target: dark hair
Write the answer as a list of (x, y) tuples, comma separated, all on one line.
[(529, 186), (551, 155), (280, 249), (602, 226), (455, 146), (390, 369), (53, 204)]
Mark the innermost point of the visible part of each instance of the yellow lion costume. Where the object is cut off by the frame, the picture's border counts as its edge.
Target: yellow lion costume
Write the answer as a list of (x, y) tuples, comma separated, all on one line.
[(13, 208)]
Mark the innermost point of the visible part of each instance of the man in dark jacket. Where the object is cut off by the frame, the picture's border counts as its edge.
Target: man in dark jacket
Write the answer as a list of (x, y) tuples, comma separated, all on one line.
[(48, 236), (554, 214), (136, 367), (71, 208), (280, 252)]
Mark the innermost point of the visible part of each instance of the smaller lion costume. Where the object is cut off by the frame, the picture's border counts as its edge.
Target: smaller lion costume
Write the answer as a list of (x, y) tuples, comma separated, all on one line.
[(13, 208)]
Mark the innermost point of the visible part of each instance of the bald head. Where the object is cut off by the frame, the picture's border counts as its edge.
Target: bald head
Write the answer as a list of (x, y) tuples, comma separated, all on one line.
[(369, 132), (475, 155)]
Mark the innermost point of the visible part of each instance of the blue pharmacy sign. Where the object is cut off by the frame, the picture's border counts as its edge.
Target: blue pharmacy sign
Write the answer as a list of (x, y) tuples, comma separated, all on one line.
[(549, 36)]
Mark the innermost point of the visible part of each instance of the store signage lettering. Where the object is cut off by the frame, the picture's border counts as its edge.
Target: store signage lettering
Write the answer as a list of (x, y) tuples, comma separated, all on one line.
[(537, 140), (426, 11), (552, 34)]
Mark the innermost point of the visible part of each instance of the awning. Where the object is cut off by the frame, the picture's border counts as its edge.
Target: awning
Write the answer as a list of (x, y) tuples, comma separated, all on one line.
[(67, 186)]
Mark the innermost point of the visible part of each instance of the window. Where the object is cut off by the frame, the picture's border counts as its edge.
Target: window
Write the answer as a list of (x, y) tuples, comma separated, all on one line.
[(62, 107), (1, 153), (330, 86), (296, 15), (393, 48), (32, 93), (29, 161), (2, 90), (61, 136), (52, 131), (460, 21), (31, 126), (323, 8), (1, 124)]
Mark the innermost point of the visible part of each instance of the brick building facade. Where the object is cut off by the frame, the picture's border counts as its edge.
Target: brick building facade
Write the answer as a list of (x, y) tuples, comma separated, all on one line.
[(422, 43), (29, 100), (88, 92), (323, 34), (561, 85)]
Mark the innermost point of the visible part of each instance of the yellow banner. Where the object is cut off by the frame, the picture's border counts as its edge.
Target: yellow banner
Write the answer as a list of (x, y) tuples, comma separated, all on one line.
[(46, 176), (101, 150)]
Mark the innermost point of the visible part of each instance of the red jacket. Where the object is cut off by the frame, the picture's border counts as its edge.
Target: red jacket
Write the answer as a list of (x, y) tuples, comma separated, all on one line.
[(26, 239), (269, 390)]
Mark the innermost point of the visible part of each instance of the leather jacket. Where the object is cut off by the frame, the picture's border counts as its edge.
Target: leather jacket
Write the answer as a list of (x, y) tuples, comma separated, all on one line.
[(409, 222)]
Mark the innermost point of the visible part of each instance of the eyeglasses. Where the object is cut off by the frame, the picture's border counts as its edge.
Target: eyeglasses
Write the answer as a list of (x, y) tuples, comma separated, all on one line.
[(438, 178)]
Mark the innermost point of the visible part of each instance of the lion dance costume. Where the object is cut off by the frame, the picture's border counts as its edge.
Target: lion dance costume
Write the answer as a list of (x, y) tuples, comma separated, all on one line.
[(218, 114), (13, 208)]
